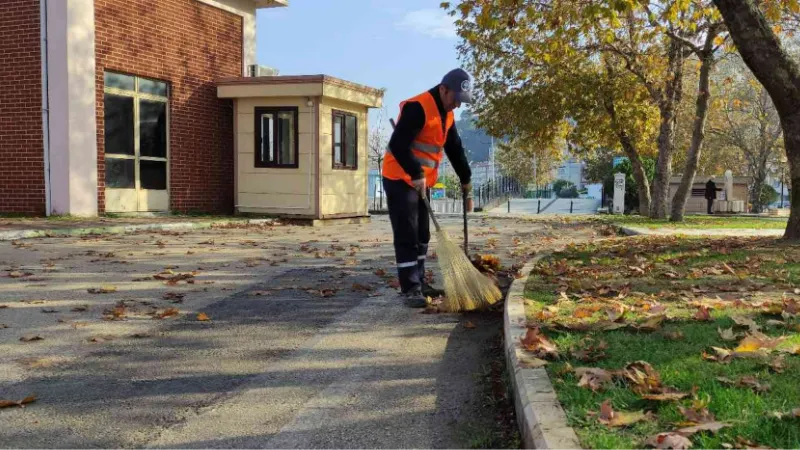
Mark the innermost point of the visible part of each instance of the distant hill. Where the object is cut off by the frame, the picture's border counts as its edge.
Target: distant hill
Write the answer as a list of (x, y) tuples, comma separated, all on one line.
[(476, 141)]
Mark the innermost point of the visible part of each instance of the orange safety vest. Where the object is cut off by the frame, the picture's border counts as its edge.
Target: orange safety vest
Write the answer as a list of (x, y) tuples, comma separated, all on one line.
[(427, 148)]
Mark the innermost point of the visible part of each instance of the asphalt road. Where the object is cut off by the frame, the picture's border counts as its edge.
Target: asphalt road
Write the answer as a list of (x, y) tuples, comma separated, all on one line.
[(294, 367)]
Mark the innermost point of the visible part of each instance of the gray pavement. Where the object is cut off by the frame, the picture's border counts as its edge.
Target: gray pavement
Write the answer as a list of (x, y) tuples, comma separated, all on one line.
[(306, 346)]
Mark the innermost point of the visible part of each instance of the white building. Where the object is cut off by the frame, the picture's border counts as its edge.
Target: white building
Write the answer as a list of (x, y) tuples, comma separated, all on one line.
[(571, 170)]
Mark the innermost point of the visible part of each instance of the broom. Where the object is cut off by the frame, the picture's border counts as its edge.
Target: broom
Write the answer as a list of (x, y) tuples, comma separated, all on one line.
[(465, 287)]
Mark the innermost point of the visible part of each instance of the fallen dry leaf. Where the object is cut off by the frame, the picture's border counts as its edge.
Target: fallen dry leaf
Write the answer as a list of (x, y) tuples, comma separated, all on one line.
[(176, 297), (20, 403), (583, 312), (169, 312), (795, 413), (708, 426), (102, 290), (469, 325), (101, 338), (666, 396), (18, 274), (697, 414), (703, 314), (793, 349), (746, 382), (203, 317), (777, 364), (669, 441), (534, 341), (746, 322), (720, 355), (607, 325), (613, 418), (117, 313), (593, 378), (727, 334), (588, 351), (756, 341), (31, 338), (358, 287), (643, 378), (49, 310), (83, 308), (261, 293), (651, 324)]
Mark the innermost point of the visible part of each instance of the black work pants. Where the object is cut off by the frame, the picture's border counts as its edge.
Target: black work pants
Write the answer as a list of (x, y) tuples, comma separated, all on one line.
[(710, 204), (411, 231)]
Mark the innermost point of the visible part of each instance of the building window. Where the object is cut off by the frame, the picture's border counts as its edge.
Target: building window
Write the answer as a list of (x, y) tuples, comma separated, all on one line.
[(136, 123), (276, 137), (345, 139)]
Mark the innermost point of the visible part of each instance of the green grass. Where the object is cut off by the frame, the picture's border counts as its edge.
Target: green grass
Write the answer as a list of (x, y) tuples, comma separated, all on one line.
[(700, 222), (679, 362)]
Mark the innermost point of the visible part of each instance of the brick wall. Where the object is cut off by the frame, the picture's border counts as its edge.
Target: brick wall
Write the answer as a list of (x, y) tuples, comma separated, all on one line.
[(21, 148), (189, 44)]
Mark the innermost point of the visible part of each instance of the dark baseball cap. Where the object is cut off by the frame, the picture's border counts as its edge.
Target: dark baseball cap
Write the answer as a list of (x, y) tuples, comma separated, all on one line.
[(458, 80)]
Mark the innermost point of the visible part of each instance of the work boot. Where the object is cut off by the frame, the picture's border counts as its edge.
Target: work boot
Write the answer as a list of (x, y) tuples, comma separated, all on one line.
[(415, 299), (430, 291)]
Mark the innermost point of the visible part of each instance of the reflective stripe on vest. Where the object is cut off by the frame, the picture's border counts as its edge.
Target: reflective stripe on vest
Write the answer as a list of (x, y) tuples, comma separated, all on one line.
[(424, 148)]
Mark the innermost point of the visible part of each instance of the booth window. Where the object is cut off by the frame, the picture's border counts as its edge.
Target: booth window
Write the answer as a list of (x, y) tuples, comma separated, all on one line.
[(276, 137), (345, 138)]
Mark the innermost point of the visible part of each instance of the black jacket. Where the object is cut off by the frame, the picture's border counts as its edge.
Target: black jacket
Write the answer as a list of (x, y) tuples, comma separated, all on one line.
[(711, 190), (412, 120)]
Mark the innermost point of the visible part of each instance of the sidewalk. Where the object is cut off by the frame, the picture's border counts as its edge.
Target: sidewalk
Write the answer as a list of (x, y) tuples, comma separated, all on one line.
[(305, 344), (33, 227)]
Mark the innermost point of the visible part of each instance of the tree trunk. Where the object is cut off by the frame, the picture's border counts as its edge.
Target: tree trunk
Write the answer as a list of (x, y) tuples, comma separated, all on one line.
[(779, 74), (758, 184), (698, 132), (666, 135), (639, 174)]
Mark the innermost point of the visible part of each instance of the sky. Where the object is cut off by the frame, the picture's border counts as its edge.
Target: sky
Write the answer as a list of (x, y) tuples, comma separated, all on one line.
[(404, 46)]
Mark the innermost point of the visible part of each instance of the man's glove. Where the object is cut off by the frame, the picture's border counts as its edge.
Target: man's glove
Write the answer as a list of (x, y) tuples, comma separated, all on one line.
[(419, 185)]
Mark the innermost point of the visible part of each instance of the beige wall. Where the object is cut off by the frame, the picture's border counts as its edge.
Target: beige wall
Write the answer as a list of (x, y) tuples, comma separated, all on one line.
[(272, 190), (343, 192), (699, 205)]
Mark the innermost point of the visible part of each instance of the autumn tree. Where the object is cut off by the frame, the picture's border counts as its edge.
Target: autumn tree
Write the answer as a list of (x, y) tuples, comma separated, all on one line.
[(544, 73), (527, 164), (707, 48), (762, 51), (377, 141), (749, 122)]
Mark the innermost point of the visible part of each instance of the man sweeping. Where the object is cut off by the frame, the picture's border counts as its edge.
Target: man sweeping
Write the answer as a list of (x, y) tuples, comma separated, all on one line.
[(424, 132)]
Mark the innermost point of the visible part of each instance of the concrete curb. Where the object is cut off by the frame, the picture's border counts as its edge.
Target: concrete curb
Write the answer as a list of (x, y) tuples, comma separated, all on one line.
[(541, 419), (124, 229), (700, 232)]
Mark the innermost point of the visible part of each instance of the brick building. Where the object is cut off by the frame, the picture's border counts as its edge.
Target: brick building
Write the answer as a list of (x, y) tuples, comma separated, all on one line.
[(112, 105)]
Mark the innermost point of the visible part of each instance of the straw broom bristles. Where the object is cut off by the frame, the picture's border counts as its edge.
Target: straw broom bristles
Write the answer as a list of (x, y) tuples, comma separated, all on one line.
[(465, 287)]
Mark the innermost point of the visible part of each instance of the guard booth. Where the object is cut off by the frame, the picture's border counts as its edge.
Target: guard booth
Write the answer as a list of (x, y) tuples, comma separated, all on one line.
[(300, 145)]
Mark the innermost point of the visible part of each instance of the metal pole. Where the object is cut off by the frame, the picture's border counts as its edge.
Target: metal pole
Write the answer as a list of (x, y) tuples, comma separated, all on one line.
[(539, 206), (783, 175), (509, 205), (570, 206)]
